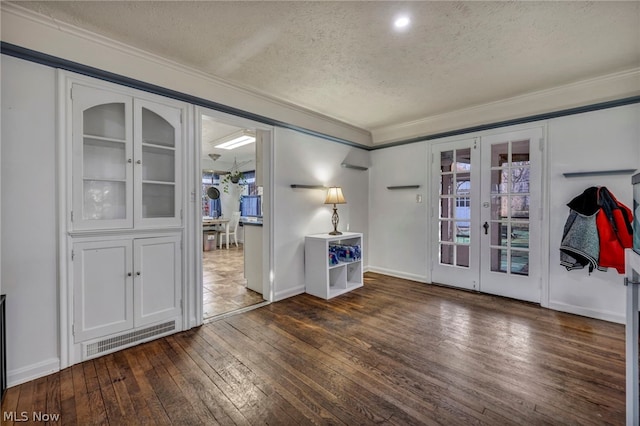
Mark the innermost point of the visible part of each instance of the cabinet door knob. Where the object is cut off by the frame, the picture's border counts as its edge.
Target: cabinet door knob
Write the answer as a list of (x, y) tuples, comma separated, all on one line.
[(129, 274), (129, 161), (139, 162), (138, 273)]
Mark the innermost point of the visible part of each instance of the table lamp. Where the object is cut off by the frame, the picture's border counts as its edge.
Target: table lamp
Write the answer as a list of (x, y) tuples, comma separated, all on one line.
[(334, 196)]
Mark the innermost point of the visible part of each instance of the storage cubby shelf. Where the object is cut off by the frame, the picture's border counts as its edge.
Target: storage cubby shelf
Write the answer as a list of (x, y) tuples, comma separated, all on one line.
[(327, 281)]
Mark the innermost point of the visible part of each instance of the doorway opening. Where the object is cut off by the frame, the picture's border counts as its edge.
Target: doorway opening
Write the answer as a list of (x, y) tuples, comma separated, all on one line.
[(231, 218)]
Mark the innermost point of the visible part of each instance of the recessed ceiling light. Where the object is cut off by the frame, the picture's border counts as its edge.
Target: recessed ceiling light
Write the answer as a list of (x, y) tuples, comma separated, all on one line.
[(401, 22)]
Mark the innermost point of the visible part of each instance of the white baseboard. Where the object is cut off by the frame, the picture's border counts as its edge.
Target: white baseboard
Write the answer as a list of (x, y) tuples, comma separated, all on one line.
[(281, 295), (397, 274), (32, 372), (586, 312)]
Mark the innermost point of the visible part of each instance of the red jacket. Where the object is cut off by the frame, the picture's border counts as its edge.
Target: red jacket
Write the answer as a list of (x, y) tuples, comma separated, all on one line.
[(614, 230)]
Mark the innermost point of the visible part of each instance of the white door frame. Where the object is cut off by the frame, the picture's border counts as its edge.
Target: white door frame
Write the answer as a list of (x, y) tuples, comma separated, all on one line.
[(193, 309)]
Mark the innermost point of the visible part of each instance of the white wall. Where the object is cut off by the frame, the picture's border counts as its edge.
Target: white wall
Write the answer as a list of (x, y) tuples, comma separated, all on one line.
[(29, 232), (307, 160), (599, 140), (398, 223)]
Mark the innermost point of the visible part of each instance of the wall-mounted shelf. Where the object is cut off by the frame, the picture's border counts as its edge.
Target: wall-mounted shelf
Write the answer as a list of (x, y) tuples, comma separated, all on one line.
[(404, 187), (353, 166), (295, 185), (600, 173)]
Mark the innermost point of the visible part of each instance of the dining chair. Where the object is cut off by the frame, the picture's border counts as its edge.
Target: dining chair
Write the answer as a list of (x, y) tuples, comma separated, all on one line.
[(231, 228)]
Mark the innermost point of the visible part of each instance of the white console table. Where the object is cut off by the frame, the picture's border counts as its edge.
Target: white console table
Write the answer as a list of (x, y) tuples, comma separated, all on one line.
[(632, 282)]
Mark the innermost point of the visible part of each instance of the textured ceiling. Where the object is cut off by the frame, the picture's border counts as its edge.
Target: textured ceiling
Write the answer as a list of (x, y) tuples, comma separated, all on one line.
[(344, 59)]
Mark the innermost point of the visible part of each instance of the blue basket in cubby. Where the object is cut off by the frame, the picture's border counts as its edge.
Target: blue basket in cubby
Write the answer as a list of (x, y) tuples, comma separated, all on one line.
[(344, 253)]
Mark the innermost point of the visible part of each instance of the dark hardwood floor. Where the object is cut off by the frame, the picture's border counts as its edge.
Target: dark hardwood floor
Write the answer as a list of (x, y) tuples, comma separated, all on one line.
[(394, 352)]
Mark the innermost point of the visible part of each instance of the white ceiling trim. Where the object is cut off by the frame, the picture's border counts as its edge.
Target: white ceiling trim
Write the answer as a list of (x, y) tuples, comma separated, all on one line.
[(31, 30), (610, 87)]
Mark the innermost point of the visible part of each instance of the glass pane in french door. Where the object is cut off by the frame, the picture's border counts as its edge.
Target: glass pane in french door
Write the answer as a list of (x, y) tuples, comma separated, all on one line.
[(509, 207), (454, 214)]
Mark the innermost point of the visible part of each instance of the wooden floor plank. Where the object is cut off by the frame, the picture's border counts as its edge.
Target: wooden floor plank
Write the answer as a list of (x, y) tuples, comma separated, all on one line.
[(67, 397), (202, 386), (281, 389), (141, 390), (184, 380), (54, 400), (208, 360), (10, 405), (238, 384), (117, 412), (394, 352), (280, 375), (127, 390)]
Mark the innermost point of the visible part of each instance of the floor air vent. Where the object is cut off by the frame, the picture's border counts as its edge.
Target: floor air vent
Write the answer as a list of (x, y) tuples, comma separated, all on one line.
[(112, 343)]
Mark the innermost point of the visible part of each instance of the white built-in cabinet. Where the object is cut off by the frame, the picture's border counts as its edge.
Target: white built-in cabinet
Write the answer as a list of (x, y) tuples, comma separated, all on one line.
[(124, 283), (126, 161), (124, 226), (324, 279)]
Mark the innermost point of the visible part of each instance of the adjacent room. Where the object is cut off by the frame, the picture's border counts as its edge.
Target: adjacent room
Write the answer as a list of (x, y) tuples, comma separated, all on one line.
[(231, 219), (309, 212)]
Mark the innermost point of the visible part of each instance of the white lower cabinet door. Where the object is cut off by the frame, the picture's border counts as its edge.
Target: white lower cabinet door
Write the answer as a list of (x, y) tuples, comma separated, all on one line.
[(157, 271), (123, 284), (103, 288)]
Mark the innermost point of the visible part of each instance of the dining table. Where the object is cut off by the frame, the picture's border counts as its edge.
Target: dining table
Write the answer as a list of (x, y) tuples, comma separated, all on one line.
[(213, 227)]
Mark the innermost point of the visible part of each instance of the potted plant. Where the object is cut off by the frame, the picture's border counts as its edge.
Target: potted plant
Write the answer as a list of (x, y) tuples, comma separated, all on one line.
[(235, 177)]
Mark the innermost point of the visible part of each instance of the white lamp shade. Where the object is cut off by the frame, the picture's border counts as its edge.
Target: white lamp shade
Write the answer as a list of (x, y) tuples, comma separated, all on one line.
[(334, 196)]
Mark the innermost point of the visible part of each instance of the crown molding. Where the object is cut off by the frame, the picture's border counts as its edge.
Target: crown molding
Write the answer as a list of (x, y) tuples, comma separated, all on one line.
[(594, 91), (25, 28)]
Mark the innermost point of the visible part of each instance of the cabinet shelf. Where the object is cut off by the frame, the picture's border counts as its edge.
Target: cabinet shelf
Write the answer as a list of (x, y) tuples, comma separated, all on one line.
[(103, 138), (100, 179), (327, 281), (340, 264), (157, 182), (158, 145)]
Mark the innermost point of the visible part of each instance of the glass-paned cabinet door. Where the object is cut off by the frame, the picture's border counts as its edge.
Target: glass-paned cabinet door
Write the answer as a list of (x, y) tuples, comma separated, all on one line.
[(102, 157), (158, 148)]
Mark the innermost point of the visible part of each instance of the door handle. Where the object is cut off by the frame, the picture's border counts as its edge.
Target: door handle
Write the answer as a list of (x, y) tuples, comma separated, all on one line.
[(486, 228)]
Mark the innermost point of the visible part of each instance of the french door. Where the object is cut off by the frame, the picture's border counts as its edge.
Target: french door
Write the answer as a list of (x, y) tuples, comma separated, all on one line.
[(486, 219)]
